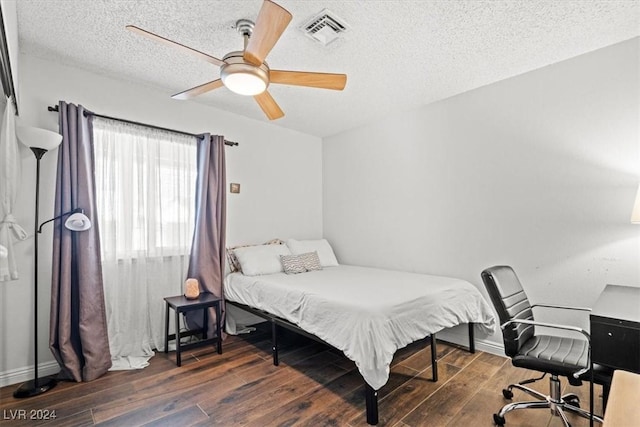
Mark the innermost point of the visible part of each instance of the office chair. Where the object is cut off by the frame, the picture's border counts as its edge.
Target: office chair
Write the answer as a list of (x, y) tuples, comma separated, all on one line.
[(557, 356)]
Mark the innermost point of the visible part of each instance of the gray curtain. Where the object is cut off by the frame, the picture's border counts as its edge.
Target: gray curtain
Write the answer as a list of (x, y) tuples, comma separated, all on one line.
[(207, 259), (78, 329)]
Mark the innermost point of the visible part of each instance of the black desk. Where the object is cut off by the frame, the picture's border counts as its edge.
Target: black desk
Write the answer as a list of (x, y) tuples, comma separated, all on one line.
[(181, 304), (615, 328)]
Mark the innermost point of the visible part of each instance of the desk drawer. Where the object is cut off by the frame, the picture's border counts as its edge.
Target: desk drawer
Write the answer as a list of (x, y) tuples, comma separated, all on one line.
[(615, 343)]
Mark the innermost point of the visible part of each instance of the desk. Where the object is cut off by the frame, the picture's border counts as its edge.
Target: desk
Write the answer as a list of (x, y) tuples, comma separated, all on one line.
[(181, 304), (615, 328)]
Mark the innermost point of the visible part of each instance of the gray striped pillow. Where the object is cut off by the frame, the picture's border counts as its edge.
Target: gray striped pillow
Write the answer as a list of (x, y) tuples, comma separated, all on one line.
[(292, 264), (311, 261)]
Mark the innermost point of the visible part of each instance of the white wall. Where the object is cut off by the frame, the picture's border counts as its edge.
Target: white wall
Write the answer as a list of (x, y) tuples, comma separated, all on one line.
[(279, 171), (538, 172)]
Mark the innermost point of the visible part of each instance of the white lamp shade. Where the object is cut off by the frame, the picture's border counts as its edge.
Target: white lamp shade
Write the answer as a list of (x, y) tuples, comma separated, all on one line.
[(38, 138), (78, 222), (244, 83), (635, 214), (3, 252)]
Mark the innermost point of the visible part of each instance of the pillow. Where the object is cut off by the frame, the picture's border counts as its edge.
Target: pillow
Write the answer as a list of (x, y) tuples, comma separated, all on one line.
[(310, 260), (262, 259), (322, 247), (292, 264), (234, 264)]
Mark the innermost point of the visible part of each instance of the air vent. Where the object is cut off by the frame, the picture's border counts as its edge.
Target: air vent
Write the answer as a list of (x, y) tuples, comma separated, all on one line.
[(324, 27)]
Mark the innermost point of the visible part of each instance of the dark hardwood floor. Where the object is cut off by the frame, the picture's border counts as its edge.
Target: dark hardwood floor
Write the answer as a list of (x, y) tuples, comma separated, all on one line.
[(313, 386)]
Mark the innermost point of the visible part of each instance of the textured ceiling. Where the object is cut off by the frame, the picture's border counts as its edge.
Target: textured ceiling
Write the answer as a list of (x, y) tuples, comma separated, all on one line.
[(398, 55)]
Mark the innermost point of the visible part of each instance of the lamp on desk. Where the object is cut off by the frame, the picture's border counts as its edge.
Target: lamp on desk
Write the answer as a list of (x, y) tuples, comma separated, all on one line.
[(40, 141), (635, 214)]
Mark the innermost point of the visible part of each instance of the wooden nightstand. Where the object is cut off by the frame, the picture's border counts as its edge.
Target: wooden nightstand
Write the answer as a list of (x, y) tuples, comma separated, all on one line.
[(181, 304)]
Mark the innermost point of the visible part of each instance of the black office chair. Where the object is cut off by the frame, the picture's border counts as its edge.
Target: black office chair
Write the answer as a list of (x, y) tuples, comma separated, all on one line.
[(557, 356)]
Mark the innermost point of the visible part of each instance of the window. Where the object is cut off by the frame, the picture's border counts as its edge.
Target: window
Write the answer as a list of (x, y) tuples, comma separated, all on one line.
[(145, 184)]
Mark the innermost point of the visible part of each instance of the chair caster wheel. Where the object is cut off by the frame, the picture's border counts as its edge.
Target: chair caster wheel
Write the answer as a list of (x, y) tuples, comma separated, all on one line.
[(508, 394), (573, 402), (498, 420)]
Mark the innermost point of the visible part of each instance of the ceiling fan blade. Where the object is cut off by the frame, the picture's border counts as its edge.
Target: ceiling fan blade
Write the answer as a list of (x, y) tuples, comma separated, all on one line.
[(152, 36), (198, 90), (301, 78), (271, 23), (268, 105)]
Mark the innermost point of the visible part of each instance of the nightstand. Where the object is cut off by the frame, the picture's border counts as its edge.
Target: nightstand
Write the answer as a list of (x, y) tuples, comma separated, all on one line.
[(180, 304)]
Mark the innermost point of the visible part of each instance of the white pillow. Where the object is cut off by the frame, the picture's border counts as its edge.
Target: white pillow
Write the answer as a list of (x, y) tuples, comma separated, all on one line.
[(322, 247), (261, 259)]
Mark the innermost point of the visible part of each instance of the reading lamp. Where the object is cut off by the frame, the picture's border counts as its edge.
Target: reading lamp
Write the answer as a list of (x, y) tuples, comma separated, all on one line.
[(40, 141), (635, 213)]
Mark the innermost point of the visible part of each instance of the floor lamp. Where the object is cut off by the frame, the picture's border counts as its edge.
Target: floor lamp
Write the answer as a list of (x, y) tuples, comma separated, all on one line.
[(40, 141)]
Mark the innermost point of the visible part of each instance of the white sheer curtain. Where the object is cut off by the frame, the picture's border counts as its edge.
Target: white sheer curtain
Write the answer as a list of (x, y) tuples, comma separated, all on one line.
[(145, 185)]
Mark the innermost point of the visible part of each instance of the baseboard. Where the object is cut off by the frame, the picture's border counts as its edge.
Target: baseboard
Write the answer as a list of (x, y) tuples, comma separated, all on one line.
[(490, 347), (20, 375), (460, 336)]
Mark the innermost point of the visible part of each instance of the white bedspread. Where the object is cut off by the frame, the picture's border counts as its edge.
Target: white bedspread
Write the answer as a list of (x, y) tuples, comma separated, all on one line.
[(367, 313)]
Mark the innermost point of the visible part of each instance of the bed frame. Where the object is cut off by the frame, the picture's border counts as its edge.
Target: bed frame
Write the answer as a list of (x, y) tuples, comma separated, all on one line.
[(371, 395)]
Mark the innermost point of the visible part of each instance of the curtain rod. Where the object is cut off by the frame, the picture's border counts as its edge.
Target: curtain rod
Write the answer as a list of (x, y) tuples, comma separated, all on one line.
[(56, 109)]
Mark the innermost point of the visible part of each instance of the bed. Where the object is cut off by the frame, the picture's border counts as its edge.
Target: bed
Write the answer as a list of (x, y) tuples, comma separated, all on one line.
[(385, 310)]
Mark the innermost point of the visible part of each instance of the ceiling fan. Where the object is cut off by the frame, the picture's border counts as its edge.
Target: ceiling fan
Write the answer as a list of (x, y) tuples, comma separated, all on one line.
[(245, 72)]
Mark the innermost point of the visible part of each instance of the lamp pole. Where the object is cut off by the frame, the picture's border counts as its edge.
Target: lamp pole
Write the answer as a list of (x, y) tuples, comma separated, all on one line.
[(35, 387)]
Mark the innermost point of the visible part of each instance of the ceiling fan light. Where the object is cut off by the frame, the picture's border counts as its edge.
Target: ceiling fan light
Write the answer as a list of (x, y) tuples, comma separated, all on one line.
[(242, 77), (244, 83)]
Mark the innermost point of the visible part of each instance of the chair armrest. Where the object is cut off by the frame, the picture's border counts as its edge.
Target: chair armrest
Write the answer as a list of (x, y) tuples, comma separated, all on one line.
[(563, 327), (549, 325), (564, 307)]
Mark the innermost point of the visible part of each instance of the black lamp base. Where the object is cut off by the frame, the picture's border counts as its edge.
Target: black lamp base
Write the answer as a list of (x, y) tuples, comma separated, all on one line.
[(33, 388)]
